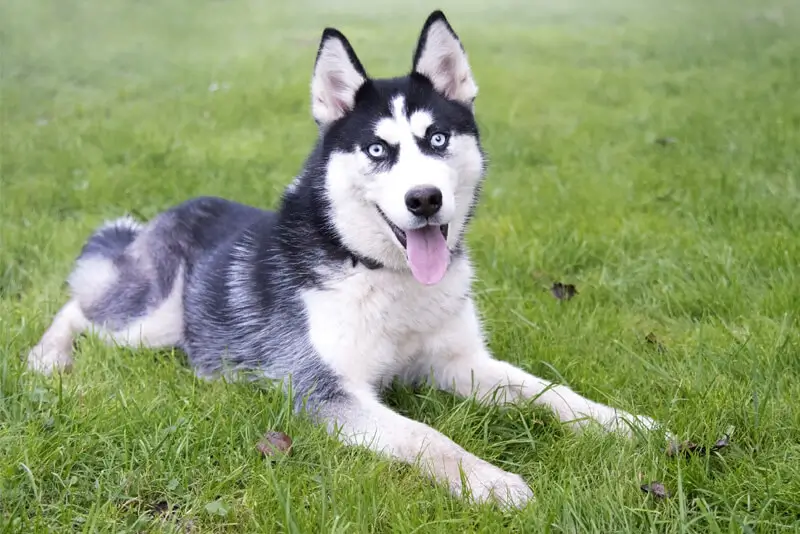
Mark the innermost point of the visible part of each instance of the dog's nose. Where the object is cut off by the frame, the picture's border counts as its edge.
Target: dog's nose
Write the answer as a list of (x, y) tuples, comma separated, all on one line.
[(424, 200)]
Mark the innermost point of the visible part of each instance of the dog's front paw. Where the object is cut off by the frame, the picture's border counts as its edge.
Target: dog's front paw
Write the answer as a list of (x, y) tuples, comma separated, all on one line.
[(619, 421), (489, 483), (626, 423)]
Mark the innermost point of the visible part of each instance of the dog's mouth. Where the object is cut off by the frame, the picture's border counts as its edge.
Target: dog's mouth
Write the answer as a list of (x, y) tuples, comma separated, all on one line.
[(426, 250), (401, 235)]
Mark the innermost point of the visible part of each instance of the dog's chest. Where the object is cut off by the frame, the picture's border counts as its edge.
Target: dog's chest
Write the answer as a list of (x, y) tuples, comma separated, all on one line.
[(369, 326)]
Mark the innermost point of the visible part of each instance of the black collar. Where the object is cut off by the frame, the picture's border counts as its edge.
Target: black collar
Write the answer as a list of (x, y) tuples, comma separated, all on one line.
[(367, 262)]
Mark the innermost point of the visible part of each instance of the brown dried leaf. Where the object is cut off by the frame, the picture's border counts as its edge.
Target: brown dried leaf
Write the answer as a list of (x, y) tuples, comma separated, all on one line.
[(275, 443), (724, 441), (563, 291), (689, 447), (657, 490)]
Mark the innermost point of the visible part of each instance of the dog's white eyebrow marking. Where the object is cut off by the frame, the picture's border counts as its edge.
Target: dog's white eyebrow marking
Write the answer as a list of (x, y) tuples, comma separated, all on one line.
[(399, 108), (420, 121), (396, 130), (399, 128), (390, 131)]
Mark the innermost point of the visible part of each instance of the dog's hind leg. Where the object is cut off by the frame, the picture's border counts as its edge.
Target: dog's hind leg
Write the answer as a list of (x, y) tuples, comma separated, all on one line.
[(131, 287), (91, 279), (160, 326), (54, 350), (126, 286)]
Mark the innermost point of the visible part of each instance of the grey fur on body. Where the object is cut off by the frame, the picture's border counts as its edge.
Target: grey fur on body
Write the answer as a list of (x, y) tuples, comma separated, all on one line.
[(235, 320)]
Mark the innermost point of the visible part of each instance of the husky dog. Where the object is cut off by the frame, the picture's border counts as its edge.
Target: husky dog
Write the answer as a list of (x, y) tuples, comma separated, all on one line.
[(359, 278)]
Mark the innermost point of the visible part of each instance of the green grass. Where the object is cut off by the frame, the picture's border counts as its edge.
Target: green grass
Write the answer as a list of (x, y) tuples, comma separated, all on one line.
[(106, 109)]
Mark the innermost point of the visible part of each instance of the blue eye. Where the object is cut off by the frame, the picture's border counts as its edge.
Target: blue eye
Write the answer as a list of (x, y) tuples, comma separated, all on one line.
[(438, 140), (377, 151)]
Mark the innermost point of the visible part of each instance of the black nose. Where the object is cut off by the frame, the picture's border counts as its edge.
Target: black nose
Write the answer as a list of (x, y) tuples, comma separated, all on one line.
[(424, 200)]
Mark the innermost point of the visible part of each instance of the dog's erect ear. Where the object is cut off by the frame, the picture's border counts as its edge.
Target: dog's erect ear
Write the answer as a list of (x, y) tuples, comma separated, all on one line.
[(338, 75), (441, 58)]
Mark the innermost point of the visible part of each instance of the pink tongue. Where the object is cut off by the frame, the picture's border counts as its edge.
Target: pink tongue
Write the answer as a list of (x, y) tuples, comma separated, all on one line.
[(427, 254)]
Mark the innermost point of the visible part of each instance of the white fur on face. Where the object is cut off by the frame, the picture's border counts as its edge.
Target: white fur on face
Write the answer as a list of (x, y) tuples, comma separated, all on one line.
[(356, 191), (413, 169), (334, 84), (444, 62)]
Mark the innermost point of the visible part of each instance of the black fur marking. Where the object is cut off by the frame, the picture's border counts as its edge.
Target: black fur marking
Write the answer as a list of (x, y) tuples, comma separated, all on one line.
[(366, 262)]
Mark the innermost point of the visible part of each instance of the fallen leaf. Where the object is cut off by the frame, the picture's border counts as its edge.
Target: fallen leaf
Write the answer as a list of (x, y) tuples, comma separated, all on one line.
[(274, 443), (725, 440), (689, 447), (657, 490), (563, 291)]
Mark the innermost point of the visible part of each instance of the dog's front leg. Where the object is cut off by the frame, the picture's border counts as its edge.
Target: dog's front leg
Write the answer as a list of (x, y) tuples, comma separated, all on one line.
[(361, 420), (458, 361)]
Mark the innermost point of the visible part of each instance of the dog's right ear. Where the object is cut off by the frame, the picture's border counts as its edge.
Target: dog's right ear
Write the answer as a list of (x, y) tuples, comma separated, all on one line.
[(338, 75)]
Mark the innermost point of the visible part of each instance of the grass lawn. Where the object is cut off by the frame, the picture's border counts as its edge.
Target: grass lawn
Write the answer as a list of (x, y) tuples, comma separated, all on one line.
[(647, 152)]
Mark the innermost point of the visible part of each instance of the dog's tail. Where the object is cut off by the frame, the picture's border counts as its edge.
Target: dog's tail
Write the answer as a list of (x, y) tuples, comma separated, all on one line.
[(96, 270), (94, 274), (111, 239)]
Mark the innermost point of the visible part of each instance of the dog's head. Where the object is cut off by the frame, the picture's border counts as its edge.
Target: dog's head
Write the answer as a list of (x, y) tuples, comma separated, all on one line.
[(403, 162)]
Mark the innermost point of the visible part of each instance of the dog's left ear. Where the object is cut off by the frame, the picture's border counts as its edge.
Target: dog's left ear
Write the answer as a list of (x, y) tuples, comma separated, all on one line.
[(441, 58), (338, 75)]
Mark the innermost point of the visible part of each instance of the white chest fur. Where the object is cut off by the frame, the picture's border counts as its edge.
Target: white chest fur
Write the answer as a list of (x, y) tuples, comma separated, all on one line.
[(370, 325)]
